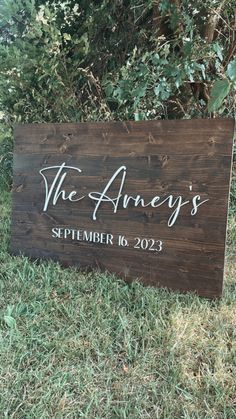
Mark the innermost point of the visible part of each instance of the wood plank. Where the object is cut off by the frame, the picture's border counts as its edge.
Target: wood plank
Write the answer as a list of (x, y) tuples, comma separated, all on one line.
[(164, 163)]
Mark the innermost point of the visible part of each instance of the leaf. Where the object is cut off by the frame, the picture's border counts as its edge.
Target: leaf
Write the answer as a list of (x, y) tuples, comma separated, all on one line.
[(157, 90), (218, 50), (10, 321), (109, 89), (219, 91), (139, 116), (136, 116), (139, 91), (231, 70), (67, 36)]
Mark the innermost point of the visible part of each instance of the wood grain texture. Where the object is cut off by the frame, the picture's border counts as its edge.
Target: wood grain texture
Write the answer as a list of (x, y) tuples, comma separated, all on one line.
[(162, 158)]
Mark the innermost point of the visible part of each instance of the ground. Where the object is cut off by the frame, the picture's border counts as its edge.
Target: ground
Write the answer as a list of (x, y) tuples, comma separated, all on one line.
[(89, 345)]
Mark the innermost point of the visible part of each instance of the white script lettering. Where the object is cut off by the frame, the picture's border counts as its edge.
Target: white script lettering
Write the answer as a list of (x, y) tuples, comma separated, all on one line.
[(121, 200), (58, 192)]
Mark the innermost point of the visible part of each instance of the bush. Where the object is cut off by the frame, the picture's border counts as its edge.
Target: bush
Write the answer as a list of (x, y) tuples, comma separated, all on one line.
[(6, 158), (114, 60)]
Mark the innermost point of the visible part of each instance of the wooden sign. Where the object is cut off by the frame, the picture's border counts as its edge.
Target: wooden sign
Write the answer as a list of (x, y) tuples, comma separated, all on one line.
[(147, 200)]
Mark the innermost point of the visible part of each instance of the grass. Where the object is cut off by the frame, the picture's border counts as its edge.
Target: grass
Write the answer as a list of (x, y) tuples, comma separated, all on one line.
[(89, 345)]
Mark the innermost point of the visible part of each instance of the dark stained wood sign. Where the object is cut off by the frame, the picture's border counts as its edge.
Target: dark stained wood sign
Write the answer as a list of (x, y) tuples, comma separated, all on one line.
[(147, 200)]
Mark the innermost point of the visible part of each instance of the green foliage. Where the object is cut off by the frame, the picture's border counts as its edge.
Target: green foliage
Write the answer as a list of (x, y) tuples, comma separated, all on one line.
[(6, 157), (64, 61)]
